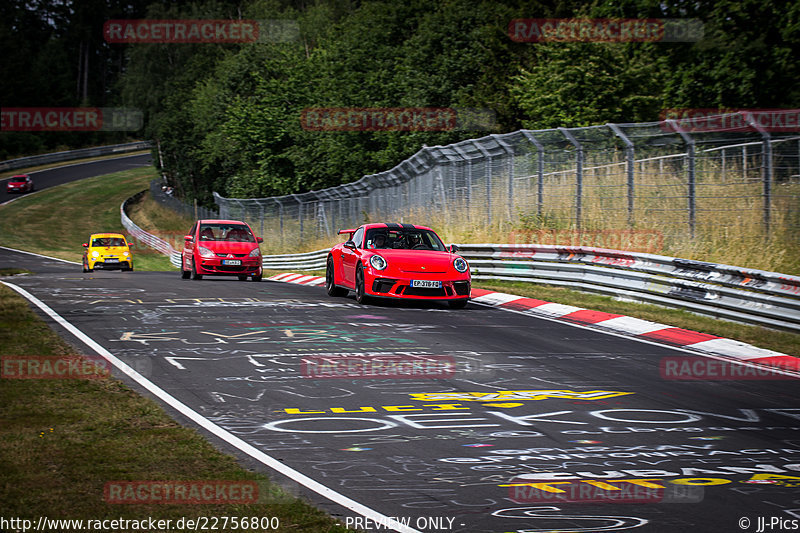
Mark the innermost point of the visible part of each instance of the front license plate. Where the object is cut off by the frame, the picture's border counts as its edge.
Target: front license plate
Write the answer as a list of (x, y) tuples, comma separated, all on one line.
[(425, 284), (231, 262), (112, 260)]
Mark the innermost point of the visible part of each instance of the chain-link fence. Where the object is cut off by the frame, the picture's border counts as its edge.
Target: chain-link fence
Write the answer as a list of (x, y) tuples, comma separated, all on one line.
[(163, 195), (659, 175)]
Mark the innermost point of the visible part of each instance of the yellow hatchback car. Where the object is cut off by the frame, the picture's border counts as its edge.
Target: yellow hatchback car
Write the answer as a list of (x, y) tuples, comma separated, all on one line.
[(107, 251)]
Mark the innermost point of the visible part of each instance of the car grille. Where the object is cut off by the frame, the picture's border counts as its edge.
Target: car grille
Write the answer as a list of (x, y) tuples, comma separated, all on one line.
[(234, 255), (420, 291), (227, 268), (461, 287), (382, 285)]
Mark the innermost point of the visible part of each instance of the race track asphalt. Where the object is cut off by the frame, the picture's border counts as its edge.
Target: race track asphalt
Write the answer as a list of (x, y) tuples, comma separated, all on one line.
[(591, 430), (69, 172)]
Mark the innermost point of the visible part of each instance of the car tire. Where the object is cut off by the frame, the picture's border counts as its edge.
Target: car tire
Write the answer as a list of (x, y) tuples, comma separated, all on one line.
[(361, 294), (457, 304), (242, 278), (330, 285), (195, 275), (257, 277), (185, 274), (85, 268)]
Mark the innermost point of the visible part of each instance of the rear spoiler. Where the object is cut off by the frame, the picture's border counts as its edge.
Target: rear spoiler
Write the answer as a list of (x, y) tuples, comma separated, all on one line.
[(350, 231)]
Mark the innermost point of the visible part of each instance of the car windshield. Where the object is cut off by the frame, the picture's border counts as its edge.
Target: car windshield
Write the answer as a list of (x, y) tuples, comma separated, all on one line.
[(408, 239), (226, 232), (108, 241)]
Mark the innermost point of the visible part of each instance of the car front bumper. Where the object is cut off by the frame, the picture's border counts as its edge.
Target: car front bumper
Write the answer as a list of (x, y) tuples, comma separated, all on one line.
[(394, 287), (214, 266), (103, 265)]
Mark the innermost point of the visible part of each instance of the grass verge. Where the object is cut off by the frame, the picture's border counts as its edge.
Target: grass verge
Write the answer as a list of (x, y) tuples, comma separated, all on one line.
[(62, 440), (57, 220)]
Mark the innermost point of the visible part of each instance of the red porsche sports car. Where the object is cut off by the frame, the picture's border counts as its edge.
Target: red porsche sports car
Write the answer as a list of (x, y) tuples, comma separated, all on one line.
[(397, 261), (221, 248), (20, 183)]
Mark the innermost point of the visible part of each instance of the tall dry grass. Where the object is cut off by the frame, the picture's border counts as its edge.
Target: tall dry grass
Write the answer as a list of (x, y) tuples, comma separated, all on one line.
[(729, 215)]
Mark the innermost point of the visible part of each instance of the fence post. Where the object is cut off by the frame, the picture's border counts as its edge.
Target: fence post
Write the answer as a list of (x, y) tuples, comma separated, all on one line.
[(510, 152), (578, 175), (488, 158), (539, 172), (767, 167), (299, 214), (280, 217), (690, 153), (630, 155)]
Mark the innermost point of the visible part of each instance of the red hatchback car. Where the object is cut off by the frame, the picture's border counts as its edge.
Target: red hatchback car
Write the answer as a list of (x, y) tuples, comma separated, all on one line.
[(221, 248), (397, 261), (20, 183)]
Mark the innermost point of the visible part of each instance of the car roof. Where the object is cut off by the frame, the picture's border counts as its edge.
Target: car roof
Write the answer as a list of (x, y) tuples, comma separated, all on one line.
[(106, 235), (393, 225), (219, 221)]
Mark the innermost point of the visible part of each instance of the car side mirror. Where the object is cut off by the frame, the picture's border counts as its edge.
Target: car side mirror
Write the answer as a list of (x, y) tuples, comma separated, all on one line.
[(86, 245), (259, 240), (188, 238), (350, 244), (453, 248)]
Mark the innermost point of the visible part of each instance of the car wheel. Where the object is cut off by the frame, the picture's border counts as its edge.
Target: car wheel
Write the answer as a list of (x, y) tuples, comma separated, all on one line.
[(195, 275), (185, 274), (257, 277), (85, 267), (457, 304), (242, 278), (361, 295), (330, 285)]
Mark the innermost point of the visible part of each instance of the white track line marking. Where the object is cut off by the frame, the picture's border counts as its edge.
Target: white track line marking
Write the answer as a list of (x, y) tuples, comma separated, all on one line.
[(39, 255), (223, 434)]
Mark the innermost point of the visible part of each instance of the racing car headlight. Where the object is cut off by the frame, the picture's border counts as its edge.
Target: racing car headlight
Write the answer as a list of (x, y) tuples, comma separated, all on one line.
[(255, 252), (377, 262), (205, 252), (95, 254), (126, 254), (460, 264)]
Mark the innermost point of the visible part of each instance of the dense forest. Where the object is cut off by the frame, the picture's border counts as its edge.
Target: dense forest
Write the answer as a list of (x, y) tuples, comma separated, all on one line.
[(227, 117)]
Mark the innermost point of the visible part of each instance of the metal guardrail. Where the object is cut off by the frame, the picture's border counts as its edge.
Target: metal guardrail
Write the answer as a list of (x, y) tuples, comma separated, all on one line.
[(150, 240), (723, 291), (70, 155), (729, 292), (307, 261)]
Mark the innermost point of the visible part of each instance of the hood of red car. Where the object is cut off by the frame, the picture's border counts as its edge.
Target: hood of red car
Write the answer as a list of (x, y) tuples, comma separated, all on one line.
[(16, 183), (415, 260)]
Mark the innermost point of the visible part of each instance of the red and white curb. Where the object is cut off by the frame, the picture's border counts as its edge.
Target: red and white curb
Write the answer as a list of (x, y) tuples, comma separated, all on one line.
[(643, 329), (299, 279), (619, 324)]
